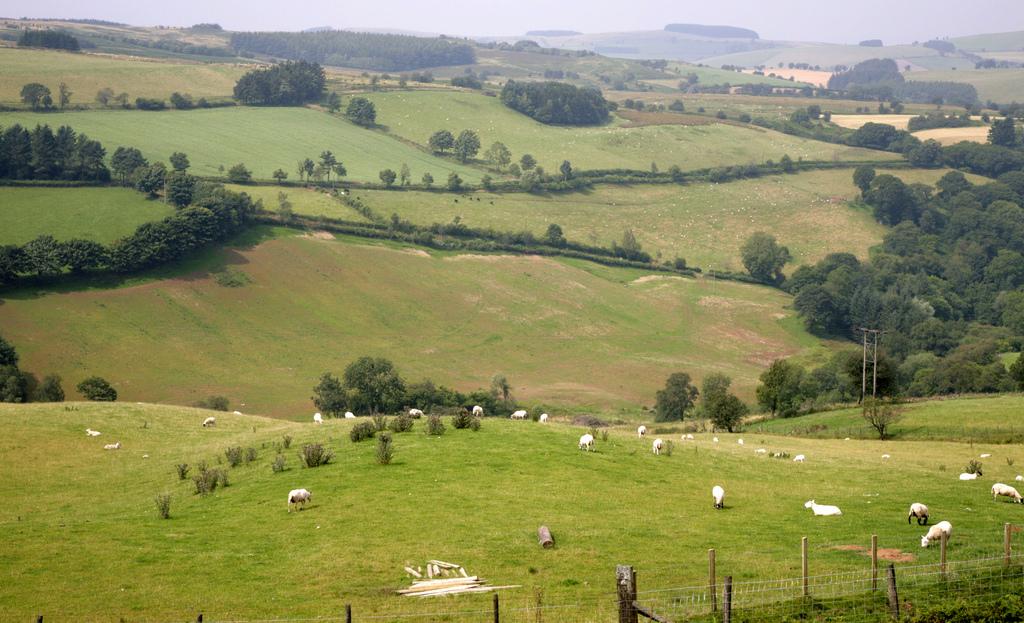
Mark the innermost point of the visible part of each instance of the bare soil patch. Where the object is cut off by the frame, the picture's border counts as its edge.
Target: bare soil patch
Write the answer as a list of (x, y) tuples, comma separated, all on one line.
[(948, 136), (854, 122), (319, 235), (892, 555)]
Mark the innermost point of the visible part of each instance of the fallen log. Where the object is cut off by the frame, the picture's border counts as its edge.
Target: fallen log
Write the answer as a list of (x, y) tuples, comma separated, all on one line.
[(413, 571), (545, 537)]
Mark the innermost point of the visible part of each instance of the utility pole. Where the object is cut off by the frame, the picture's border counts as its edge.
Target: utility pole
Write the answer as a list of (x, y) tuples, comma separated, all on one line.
[(874, 363), (864, 366), (874, 370)]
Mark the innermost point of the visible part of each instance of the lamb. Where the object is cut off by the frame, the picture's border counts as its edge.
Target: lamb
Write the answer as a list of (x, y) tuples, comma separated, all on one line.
[(885, 456), (91, 432), (478, 411), (297, 496), (237, 412), (318, 419), (689, 436), (985, 456), (658, 444), (1001, 489), (760, 450), (210, 421), (112, 446), (416, 413), (587, 441), (349, 414), (1019, 478), (543, 417), (640, 432), (718, 494), (936, 532), (823, 509), (715, 439), (973, 476), (921, 512), (741, 442), (799, 458), (519, 415)]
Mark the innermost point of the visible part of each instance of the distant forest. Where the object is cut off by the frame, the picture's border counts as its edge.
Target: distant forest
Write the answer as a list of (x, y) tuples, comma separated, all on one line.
[(340, 48), (721, 32), (555, 102), (880, 79)]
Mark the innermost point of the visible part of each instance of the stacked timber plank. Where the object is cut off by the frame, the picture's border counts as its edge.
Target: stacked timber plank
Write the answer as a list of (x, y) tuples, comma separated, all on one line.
[(456, 585)]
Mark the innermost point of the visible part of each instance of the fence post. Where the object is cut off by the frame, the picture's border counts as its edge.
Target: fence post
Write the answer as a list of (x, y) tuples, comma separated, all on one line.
[(942, 554), (803, 555), (348, 613), (199, 619), (1006, 543), (711, 583), (874, 562), (894, 600), (495, 608), (727, 600), (626, 589), (39, 619)]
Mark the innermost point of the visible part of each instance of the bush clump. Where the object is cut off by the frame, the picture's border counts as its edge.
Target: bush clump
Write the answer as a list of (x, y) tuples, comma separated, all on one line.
[(233, 455), (287, 441), (475, 424), (182, 470), (385, 449), (973, 466), (434, 425), (216, 403), (163, 505), (380, 421), (207, 480), (250, 455), (362, 430), (315, 455), (401, 424), (462, 419), (278, 464)]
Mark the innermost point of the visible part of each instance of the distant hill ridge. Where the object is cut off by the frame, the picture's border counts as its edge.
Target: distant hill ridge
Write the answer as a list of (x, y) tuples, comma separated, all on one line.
[(719, 32), (552, 33)]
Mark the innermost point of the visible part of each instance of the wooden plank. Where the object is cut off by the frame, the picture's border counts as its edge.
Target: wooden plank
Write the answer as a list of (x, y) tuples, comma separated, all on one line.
[(650, 614), (413, 571)]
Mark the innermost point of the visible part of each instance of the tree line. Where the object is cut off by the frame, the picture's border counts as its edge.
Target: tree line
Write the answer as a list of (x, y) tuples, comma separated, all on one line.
[(285, 84), (54, 39), (377, 52), (42, 154), (880, 79), (555, 102)]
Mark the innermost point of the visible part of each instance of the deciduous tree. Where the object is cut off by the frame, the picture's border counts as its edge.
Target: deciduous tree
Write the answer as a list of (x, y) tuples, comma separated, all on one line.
[(764, 258), (676, 398), (466, 146), (97, 389), (36, 95), (498, 155), (376, 384)]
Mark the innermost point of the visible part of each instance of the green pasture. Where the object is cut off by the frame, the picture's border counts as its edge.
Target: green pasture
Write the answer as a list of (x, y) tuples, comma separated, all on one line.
[(264, 139), (715, 75), (415, 115), (998, 85), (474, 499), (1000, 41), (305, 201), (85, 74), (825, 55), (569, 334), (98, 214)]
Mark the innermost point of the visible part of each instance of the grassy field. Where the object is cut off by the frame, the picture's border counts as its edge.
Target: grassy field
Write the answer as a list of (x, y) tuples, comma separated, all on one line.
[(826, 55), (99, 214), (416, 115), (85, 74), (998, 85), (990, 42), (238, 555), (948, 136), (264, 139), (569, 334)]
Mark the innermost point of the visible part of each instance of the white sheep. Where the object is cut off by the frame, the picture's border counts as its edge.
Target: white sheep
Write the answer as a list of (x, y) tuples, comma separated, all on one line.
[(112, 446), (985, 456), (885, 456), (936, 532), (718, 494), (741, 442), (91, 432), (543, 417), (640, 432), (973, 476), (714, 439), (237, 412), (318, 419), (921, 512), (1001, 489), (587, 441), (349, 414), (799, 458), (210, 421), (297, 496), (519, 415), (478, 411), (416, 413), (689, 436), (760, 450), (658, 445), (823, 509), (1019, 478)]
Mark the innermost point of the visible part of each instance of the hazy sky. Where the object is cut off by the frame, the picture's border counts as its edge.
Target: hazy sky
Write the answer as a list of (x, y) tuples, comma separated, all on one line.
[(893, 21)]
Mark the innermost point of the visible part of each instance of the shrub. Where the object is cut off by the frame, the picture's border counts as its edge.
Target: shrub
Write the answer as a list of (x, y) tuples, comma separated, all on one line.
[(50, 389), (287, 441), (250, 455), (362, 430), (604, 435), (233, 455), (163, 505), (462, 419), (973, 466), (475, 424), (380, 421), (217, 403), (98, 389), (206, 480), (669, 447), (278, 464), (385, 449), (182, 470), (401, 424), (315, 455), (434, 425)]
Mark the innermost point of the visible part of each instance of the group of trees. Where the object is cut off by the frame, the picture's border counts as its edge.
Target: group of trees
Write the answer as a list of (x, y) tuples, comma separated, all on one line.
[(14, 382), (464, 147), (328, 163), (54, 39), (285, 84), (375, 52), (713, 401), (373, 385), (42, 154), (880, 79), (555, 103)]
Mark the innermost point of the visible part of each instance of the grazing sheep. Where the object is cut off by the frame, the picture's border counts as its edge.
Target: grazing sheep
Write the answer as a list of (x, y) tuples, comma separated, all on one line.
[(936, 532), (985, 456), (823, 509), (658, 444), (718, 494), (689, 436), (921, 512), (973, 476), (799, 458), (91, 432), (112, 446), (297, 496), (741, 442), (478, 411), (210, 421), (760, 450), (640, 432), (349, 414), (1001, 489), (416, 413), (1019, 478), (714, 439), (237, 412), (587, 441), (543, 417), (318, 419), (519, 415), (885, 456)]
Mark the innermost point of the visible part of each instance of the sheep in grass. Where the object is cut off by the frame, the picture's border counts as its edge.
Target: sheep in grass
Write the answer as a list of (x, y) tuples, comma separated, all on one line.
[(519, 415), (999, 489), (823, 509), (718, 494), (688, 436), (973, 476), (349, 414), (1019, 478), (658, 445), (543, 417), (415, 413), (587, 441), (798, 458), (210, 421), (921, 512), (112, 446), (741, 442), (318, 419), (91, 432), (640, 432), (936, 532), (478, 411), (299, 496)]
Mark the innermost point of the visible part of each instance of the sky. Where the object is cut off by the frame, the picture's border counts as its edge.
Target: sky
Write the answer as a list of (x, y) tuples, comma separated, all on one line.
[(892, 21)]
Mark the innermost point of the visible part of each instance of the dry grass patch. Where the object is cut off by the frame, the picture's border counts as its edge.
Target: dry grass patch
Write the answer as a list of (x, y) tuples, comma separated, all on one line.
[(855, 122), (948, 136), (639, 119)]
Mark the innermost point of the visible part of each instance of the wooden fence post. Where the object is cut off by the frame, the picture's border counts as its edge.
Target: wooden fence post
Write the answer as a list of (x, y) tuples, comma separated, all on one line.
[(199, 619), (711, 583), (942, 554), (1006, 544), (894, 600), (495, 607), (874, 562), (727, 600), (348, 613), (803, 555), (626, 589), (39, 619)]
